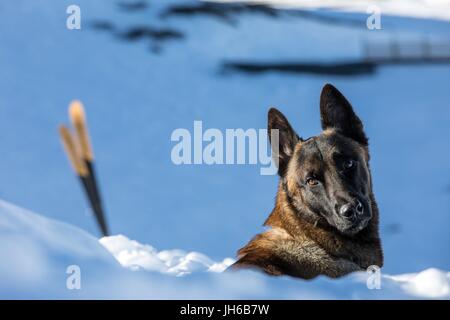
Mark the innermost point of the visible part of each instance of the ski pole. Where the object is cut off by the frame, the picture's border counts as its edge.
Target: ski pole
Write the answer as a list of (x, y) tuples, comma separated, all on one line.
[(82, 160)]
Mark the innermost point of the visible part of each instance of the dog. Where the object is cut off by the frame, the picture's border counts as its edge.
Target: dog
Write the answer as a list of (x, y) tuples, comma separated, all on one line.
[(325, 220)]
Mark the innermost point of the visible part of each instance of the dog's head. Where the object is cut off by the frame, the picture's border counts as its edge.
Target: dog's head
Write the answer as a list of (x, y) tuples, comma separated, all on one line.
[(326, 178)]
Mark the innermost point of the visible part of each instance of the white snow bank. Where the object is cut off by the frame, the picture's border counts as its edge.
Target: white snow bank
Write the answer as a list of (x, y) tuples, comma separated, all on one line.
[(35, 253), (431, 283), (435, 9), (136, 256)]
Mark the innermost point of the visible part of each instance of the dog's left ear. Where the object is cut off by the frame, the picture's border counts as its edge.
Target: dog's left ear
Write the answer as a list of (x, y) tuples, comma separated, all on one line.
[(337, 113), (283, 149)]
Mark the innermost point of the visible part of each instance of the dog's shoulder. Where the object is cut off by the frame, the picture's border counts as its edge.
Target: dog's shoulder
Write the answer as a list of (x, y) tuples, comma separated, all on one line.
[(263, 252), (276, 252)]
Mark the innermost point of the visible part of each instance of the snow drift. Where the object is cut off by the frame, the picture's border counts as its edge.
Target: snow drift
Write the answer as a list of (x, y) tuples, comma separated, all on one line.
[(136, 256), (36, 253)]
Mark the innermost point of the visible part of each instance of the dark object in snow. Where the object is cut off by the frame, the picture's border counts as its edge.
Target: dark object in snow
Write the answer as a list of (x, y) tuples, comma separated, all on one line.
[(228, 12), (343, 69), (102, 25), (375, 55), (223, 11), (81, 156), (346, 68), (157, 36), (330, 17), (133, 6), (136, 33)]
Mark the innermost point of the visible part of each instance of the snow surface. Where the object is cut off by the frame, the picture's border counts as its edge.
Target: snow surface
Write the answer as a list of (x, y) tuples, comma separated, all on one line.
[(437, 9), (36, 251), (137, 92), (136, 256)]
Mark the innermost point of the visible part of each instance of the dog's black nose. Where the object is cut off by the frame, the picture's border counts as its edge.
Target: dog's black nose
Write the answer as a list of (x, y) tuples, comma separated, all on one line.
[(347, 211), (350, 211)]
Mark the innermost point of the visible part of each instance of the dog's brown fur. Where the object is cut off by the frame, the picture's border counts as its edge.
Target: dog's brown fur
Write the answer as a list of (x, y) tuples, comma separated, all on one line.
[(302, 243)]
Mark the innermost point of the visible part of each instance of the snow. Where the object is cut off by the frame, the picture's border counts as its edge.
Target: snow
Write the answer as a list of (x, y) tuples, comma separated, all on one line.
[(136, 256), (137, 92), (437, 9), (37, 251), (430, 283)]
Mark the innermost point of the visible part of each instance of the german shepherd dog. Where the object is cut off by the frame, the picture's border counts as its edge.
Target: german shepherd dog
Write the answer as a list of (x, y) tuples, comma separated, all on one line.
[(325, 220)]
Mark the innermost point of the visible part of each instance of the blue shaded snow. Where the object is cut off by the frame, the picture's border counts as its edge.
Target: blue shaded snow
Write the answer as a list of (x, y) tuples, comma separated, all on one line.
[(36, 253)]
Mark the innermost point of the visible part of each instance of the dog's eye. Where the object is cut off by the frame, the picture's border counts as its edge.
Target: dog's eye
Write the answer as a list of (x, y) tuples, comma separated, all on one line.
[(349, 164), (312, 182)]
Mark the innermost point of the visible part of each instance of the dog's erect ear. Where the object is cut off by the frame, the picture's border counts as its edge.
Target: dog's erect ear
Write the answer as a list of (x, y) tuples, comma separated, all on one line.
[(287, 139), (337, 113)]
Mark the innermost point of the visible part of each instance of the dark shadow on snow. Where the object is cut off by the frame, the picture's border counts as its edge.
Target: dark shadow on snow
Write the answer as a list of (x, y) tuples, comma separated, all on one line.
[(102, 25), (132, 6), (229, 12), (156, 36), (342, 69), (226, 12), (347, 68), (333, 18)]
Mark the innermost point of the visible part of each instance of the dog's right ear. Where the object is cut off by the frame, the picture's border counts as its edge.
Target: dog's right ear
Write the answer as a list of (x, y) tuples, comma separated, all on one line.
[(337, 113), (282, 149)]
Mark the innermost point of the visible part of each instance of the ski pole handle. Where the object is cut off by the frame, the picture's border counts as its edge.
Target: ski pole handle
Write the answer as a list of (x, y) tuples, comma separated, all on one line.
[(78, 165)]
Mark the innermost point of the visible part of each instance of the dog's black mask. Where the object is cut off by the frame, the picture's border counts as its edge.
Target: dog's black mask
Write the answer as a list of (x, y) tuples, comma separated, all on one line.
[(326, 177)]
